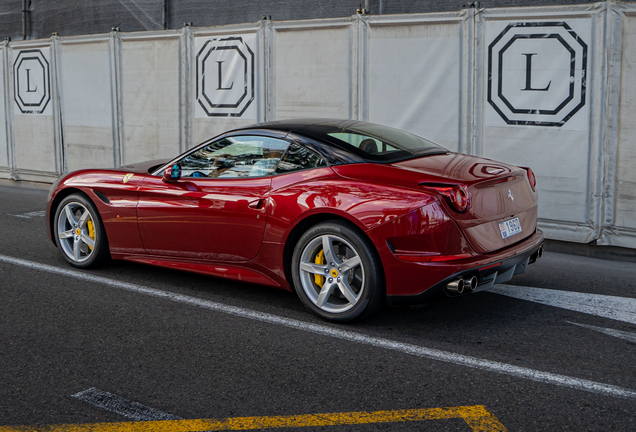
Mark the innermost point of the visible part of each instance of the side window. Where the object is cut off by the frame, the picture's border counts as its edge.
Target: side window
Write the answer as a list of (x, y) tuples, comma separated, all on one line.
[(365, 143), (299, 158), (237, 156)]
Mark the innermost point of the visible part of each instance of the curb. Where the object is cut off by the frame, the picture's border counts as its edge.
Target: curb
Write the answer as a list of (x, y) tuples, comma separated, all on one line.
[(26, 184), (591, 250)]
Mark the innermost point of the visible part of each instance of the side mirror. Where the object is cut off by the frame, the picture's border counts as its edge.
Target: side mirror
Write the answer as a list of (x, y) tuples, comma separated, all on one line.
[(172, 174)]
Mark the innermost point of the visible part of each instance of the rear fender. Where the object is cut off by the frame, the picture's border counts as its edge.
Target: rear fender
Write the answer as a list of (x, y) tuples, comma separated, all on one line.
[(366, 205), (426, 230)]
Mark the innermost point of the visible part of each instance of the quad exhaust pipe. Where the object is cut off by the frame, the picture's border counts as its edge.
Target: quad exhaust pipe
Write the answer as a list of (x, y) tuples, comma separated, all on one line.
[(459, 285), (538, 254)]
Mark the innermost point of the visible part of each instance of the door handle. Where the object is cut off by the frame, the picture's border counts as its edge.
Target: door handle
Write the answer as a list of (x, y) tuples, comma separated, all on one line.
[(256, 204)]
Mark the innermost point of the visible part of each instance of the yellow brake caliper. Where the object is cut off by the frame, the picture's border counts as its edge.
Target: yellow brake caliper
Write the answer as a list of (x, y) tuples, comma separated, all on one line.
[(320, 259), (91, 230)]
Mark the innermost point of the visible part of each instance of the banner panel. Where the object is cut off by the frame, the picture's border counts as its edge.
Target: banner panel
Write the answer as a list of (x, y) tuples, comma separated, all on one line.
[(87, 111), (313, 72), (225, 76), (414, 79), (34, 149), (34, 143), (622, 226), (4, 143), (150, 98), (226, 85), (32, 81), (536, 95)]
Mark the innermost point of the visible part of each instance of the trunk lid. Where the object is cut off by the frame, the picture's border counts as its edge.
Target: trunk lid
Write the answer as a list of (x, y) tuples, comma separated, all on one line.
[(497, 192)]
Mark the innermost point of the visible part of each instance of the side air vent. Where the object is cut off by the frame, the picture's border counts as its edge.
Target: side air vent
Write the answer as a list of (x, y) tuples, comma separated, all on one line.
[(102, 197)]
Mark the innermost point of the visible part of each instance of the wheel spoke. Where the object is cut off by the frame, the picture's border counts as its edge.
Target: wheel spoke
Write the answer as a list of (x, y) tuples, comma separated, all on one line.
[(66, 234), (325, 292), (346, 291), (77, 252), (84, 218), (69, 215), (89, 241), (332, 257), (330, 253), (318, 269), (350, 264)]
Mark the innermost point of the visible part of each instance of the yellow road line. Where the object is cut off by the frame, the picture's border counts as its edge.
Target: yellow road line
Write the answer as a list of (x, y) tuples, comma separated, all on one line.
[(477, 417)]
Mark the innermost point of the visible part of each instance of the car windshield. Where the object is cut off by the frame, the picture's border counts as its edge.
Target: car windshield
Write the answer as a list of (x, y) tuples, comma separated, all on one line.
[(238, 156), (376, 143)]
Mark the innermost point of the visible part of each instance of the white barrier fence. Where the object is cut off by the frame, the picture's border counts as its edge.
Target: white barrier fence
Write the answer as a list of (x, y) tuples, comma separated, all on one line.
[(553, 88)]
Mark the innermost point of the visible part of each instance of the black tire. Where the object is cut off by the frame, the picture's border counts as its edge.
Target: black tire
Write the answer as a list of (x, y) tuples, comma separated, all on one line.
[(346, 291), (78, 230)]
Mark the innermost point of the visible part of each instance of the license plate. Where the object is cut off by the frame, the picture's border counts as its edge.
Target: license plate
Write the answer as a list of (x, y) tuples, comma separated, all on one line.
[(509, 228)]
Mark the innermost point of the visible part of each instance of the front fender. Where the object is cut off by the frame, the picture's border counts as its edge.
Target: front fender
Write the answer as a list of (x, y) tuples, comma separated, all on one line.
[(116, 204)]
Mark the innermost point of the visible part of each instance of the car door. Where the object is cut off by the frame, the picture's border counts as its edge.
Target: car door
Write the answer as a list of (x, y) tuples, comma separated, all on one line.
[(218, 209)]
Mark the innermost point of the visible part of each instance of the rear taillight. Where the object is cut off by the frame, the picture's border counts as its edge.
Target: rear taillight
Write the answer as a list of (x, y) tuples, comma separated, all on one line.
[(457, 195), (459, 198), (531, 178)]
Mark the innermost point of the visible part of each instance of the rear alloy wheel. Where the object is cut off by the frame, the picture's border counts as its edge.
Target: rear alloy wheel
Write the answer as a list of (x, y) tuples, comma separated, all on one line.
[(337, 273), (79, 232)]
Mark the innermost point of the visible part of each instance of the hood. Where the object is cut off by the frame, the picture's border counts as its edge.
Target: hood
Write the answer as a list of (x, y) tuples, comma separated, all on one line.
[(142, 167)]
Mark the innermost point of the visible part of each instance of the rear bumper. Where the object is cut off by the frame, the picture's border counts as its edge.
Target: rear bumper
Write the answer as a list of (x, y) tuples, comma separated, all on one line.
[(490, 269)]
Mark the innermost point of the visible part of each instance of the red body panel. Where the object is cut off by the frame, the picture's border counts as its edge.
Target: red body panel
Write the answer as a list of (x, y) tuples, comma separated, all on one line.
[(205, 219), (228, 271), (119, 216), (298, 195), (413, 278), (238, 228)]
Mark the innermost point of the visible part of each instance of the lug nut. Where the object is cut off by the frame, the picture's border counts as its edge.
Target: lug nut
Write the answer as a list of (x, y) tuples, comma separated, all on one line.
[(326, 270), (338, 279), (330, 280), (333, 264)]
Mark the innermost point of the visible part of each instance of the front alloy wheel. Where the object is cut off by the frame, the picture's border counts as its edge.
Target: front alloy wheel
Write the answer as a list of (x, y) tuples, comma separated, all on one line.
[(79, 232), (337, 273)]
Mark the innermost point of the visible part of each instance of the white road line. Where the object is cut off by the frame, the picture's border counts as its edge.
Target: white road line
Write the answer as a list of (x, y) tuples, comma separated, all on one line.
[(121, 406), (628, 336), (430, 353), (30, 214), (616, 308)]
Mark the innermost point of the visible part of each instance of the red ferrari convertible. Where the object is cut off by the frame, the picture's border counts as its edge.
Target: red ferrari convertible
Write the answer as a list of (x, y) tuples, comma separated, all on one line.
[(348, 214)]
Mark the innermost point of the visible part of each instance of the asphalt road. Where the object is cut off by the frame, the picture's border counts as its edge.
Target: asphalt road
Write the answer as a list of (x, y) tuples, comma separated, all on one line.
[(187, 357)]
